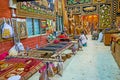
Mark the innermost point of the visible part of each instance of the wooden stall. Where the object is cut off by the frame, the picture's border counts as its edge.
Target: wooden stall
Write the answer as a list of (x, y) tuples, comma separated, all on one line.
[(50, 51), (107, 37), (115, 47)]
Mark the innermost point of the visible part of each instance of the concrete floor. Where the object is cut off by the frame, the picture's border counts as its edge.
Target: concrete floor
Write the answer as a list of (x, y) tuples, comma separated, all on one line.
[(95, 62)]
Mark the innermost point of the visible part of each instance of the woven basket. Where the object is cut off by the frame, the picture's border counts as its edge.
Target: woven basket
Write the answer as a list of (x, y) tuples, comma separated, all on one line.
[(64, 57), (55, 70), (68, 55)]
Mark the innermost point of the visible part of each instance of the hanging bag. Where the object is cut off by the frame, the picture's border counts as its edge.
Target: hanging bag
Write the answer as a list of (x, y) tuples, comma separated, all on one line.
[(60, 66), (50, 70), (7, 31)]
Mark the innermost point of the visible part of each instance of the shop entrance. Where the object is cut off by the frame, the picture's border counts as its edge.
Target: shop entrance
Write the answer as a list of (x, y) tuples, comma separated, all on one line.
[(90, 23), (87, 23)]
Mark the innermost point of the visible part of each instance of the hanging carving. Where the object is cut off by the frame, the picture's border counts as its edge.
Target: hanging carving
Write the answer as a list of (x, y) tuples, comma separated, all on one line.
[(99, 1), (89, 8), (36, 9), (105, 16)]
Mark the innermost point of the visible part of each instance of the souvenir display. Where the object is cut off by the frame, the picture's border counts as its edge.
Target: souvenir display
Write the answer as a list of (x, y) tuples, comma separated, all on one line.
[(89, 9), (75, 9), (43, 23), (105, 18), (19, 29), (6, 29), (42, 8), (73, 2), (22, 31), (50, 50)]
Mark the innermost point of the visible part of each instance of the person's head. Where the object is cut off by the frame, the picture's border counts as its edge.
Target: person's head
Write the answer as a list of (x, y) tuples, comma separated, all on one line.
[(100, 30), (62, 33), (82, 32)]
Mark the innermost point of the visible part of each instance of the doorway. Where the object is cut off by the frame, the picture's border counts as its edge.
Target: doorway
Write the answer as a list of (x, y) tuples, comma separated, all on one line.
[(90, 23)]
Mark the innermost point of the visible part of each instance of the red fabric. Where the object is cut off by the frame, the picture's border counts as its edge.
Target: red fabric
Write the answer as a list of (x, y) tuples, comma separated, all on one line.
[(3, 55), (62, 36), (56, 41)]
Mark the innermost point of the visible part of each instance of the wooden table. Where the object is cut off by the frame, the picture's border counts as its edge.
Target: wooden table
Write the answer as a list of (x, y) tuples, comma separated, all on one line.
[(51, 53)]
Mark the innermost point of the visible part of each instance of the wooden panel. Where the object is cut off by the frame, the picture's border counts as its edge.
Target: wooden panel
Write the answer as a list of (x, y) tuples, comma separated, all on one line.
[(117, 56), (107, 38)]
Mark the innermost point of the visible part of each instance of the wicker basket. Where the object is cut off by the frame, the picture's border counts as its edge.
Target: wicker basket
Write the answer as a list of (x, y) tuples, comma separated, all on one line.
[(55, 70), (64, 57), (68, 55)]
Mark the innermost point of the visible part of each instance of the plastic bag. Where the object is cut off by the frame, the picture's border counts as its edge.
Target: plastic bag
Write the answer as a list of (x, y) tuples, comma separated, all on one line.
[(20, 46), (13, 51), (50, 70), (7, 31), (60, 66), (44, 76)]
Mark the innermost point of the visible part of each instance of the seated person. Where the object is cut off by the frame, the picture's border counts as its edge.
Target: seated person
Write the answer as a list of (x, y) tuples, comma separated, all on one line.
[(63, 37)]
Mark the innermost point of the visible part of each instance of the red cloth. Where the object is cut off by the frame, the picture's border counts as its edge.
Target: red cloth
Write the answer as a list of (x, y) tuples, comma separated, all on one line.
[(3, 55), (62, 36), (56, 41)]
